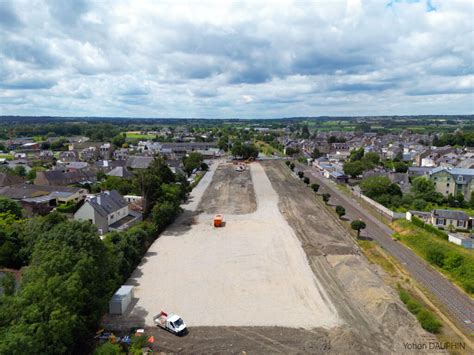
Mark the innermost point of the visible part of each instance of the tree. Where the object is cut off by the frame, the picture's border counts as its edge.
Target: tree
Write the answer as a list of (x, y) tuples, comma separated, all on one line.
[(287, 163), (315, 187), (292, 166), (341, 211), (358, 225), (372, 158), (204, 167), (109, 348), (244, 151), (19, 170), (191, 162), (291, 151), (471, 200), (10, 206), (326, 197), (305, 132), (300, 174), (354, 169), (356, 154), (316, 153), (7, 282), (306, 180), (375, 186), (118, 141)]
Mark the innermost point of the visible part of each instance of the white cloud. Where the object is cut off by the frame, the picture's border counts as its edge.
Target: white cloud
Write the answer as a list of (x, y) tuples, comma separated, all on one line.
[(250, 58)]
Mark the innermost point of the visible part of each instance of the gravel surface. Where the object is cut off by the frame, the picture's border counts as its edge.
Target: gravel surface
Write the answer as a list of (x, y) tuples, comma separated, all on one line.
[(251, 272)]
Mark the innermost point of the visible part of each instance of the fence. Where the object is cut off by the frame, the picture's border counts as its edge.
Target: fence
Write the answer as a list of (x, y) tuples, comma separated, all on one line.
[(380, 208)]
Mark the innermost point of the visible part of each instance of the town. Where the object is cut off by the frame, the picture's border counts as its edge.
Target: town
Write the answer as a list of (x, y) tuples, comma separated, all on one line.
[(402, 195)]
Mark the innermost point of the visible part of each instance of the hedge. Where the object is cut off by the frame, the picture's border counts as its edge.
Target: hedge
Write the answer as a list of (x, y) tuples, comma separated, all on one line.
[(427, 319)]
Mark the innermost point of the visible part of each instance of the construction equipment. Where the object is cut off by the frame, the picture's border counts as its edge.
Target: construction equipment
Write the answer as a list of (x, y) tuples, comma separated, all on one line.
[(172, 323), (218, 220)]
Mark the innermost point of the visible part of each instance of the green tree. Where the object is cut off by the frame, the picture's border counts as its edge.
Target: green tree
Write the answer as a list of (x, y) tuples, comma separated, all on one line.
[(316, 153), (354, 169), (109, 348), (300, 174), (358, 225), (244, 151), (10, 206), (118, 141), (287, 163), (306, 180), (326, 197), (292, 166), (192, 161), (356, 155), (7, 282), (315, 187), (372, 158), (375, 186), (341, 211)]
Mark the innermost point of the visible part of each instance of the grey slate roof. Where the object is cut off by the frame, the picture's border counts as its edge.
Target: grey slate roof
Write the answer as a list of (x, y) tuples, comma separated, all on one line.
[(108, 202), (451, 214), (120, 171), (139, 162)]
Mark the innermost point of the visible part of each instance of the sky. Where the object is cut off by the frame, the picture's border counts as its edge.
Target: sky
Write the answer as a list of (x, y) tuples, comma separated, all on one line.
[(246, 59)]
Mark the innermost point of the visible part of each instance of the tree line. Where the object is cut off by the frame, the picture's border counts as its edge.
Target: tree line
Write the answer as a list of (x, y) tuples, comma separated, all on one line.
[(69, 273)]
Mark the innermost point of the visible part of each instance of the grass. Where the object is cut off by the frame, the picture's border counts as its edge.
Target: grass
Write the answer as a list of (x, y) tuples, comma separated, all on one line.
[(454, 261), (6, 156), (266, 148), (425, 317), (375, 256), (134, 135)]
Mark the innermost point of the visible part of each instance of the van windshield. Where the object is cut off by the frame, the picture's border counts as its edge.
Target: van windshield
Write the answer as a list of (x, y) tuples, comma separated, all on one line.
[(178, 322)]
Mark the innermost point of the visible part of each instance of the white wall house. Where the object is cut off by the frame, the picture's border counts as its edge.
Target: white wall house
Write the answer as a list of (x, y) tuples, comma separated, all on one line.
[(103, 210)]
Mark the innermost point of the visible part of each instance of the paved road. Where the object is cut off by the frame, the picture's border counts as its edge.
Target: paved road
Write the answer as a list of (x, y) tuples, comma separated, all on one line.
[(457, 303)]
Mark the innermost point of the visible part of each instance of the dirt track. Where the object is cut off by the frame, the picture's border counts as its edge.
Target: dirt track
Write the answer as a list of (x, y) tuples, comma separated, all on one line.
[(230, 192), (374, 321)]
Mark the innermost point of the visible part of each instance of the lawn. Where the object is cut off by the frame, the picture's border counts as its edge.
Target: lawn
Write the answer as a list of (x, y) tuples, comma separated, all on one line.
[(454, 261), (136, 135), (266, 148)]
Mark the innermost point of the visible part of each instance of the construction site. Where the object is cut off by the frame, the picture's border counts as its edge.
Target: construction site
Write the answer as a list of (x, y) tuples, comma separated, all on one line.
[(256, 263)]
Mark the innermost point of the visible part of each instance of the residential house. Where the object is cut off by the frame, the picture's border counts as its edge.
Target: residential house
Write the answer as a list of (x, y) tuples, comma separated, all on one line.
[(450, 219), (9, 180), (139, 162), (60, 178), (453, 181), (105, 151), (107, 211), (120, 171), (38, 199)]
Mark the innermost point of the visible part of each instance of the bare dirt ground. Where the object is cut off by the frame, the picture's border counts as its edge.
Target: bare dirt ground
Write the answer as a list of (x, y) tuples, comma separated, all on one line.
[(230, 192), (254, 280)]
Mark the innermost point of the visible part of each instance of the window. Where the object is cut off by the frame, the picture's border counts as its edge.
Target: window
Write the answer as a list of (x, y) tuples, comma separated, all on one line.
[(447, 185), (461, 224), (441, 221)]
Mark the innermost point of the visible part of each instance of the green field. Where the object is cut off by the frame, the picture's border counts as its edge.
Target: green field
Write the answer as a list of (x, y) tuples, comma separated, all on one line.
[(134, 135)]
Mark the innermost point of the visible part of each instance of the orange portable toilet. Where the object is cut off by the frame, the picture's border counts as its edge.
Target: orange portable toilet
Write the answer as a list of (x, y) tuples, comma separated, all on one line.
[(218, 220)]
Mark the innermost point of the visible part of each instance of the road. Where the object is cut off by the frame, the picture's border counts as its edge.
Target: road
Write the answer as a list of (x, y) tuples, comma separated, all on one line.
[(459, 305)]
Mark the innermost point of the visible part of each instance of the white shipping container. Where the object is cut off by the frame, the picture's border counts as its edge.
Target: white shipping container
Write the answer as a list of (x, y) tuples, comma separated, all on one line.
[(121, 300)]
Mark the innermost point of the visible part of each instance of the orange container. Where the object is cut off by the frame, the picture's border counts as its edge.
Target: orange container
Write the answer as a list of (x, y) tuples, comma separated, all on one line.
[(218, 220)]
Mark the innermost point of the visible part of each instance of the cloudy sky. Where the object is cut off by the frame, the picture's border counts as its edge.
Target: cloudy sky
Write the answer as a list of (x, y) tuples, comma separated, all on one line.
[(250, 59)]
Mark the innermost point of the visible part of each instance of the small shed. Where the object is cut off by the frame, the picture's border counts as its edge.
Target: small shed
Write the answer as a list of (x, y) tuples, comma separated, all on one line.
[(121, 300)]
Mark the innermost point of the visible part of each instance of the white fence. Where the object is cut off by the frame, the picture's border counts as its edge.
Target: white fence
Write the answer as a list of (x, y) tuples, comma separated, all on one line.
[(382, 209)]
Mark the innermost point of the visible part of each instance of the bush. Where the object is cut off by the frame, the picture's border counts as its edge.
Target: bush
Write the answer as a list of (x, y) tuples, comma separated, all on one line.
[(428, 321), (404, 296), (326, 197), (315, 187), (109, 349), (413, 306), (300, 174), (306, 180), (341, 211)]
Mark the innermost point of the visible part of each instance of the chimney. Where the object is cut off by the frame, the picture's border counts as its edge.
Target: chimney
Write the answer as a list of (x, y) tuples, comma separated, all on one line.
[(98, 199)]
